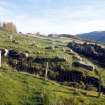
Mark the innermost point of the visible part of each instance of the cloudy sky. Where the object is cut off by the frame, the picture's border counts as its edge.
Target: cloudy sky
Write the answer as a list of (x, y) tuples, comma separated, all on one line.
[(54, 16)]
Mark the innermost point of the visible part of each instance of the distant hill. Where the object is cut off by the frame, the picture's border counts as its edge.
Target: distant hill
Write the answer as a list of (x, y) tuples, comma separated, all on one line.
[(63, 35), (68, 36), (94, 36)]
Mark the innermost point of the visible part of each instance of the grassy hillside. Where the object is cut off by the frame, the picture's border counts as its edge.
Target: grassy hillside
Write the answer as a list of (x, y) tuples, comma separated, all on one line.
[(19, 88), (41, 46), (37, 46), (23, 89)]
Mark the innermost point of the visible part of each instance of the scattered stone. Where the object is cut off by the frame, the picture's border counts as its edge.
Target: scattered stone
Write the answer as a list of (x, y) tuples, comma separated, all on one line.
[(6, 52), (84, 65)]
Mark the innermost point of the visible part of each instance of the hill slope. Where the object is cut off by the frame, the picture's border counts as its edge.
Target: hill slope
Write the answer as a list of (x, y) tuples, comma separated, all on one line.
[(21, 88), (94, 36)]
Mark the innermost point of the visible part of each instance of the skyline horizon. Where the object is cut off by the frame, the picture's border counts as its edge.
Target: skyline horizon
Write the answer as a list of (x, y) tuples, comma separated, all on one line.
[(49, 16), (1, 23)]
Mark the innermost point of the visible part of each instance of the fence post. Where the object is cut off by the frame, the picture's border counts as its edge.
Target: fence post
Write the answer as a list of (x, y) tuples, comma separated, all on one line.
[(46, 71), (0, 58)]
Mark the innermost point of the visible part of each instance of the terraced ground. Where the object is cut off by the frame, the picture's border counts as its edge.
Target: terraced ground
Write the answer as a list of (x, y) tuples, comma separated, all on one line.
[(19, 88)]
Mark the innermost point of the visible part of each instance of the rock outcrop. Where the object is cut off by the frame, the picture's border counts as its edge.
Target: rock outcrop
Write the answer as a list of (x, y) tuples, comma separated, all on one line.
[(4, 52), (17, 55), (93, 51), (20, 62), (56, 72), (84, 65)]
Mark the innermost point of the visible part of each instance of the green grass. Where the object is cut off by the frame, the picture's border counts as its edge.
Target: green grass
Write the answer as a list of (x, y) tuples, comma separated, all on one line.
[(35, 46), (21, 88)]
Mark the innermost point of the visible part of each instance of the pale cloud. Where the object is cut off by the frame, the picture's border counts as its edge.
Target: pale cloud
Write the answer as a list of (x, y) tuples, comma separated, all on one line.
[(44, 26), (61, 19)]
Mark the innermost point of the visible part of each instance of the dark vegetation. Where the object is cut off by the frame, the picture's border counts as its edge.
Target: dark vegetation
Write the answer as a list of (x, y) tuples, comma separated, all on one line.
[(37, 66), (94, 51)]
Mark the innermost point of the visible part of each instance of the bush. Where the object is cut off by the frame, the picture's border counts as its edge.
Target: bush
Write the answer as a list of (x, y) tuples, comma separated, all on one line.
[(53, 75)]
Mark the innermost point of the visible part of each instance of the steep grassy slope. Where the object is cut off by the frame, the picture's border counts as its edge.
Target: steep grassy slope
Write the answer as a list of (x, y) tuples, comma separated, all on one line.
[(24, 89), (38, 46), (32, 45)]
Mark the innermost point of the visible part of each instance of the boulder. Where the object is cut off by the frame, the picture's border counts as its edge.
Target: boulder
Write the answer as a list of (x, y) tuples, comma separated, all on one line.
[(84, 65), (4, 52), (26, 54)]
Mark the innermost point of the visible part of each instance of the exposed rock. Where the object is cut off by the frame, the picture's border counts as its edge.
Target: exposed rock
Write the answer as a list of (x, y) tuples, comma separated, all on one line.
[(4, 52), (70, 76), (45, 59), (93, 51), (26, 54), (84, 65), (56, 72), (17, 55), (92, 81), (77, 57)]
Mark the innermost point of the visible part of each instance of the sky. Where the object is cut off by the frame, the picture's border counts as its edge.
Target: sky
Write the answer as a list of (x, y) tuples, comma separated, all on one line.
[(54, 16)]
